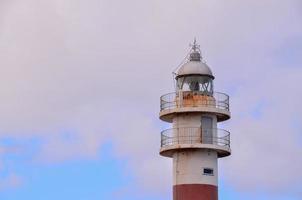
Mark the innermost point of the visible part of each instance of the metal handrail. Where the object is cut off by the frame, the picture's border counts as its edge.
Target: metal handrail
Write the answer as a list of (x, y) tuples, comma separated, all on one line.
[(195, 135), (194, 99)]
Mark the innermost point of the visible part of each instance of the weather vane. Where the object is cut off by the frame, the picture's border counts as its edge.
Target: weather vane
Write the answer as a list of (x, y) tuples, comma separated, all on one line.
[(195, 53), (195, 46)]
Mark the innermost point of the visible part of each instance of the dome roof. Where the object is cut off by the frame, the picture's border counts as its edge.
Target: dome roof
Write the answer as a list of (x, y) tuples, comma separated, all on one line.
[(195, 64), (196, 68)]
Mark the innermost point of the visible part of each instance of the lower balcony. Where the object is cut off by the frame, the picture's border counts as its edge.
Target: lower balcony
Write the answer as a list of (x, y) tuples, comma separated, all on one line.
[(176, 139)]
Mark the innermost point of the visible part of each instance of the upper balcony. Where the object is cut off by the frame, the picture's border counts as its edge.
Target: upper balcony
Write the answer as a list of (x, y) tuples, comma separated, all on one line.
[(195, 138), (194, 101)]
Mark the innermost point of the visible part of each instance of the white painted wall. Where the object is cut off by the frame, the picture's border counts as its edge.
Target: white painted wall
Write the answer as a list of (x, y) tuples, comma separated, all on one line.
[(188, 167), (188, 164), (191, 120)]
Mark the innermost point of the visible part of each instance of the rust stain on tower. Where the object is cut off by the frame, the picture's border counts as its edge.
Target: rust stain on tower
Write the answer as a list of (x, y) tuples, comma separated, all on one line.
[(194, 142)]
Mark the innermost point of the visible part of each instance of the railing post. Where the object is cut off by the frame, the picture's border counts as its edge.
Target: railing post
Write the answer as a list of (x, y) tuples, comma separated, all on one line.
[(180, 98), (177, 135)]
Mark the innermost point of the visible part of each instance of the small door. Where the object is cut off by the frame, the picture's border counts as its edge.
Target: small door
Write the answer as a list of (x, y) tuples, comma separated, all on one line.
[(207, 130)]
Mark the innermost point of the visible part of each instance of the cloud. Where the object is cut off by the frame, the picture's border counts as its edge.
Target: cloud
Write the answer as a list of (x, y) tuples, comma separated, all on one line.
[(10, 181), (265, 146), (77, 74)]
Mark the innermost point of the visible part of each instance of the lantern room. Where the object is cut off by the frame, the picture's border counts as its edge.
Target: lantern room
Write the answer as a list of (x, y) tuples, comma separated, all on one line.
[(195, 75)]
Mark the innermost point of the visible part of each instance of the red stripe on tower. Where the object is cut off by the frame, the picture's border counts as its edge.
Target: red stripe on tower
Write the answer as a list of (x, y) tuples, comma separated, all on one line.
[(195, 192)]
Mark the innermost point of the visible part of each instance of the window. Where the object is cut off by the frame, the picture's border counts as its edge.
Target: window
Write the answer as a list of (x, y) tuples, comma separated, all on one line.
[(208, 171), (196, 83)]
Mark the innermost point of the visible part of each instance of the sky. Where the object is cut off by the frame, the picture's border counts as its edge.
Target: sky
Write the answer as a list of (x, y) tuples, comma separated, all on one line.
[(80, 88)]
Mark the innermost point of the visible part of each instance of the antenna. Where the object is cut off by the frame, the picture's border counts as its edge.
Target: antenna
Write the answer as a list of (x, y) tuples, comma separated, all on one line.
[(195, 53), (195, 46)]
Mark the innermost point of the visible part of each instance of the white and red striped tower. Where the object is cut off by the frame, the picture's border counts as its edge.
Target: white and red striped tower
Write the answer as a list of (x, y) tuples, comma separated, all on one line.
[(194, 142)]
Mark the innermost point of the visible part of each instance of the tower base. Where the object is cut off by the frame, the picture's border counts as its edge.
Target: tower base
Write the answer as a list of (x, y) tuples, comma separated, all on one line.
[(195, 192)]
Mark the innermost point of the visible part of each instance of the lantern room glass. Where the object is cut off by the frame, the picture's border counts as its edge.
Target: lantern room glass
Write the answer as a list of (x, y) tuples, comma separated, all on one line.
[(195, 83)]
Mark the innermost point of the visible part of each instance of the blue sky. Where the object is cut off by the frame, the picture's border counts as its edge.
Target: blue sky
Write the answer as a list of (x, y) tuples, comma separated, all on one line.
[(81, 82), (103, 178)]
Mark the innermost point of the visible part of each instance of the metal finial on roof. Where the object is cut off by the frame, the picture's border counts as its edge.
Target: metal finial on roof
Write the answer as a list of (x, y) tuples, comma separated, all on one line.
[(195, 46), (195, 51)]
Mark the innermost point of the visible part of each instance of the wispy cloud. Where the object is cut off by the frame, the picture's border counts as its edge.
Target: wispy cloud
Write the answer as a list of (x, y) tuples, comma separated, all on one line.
[(10, 181)]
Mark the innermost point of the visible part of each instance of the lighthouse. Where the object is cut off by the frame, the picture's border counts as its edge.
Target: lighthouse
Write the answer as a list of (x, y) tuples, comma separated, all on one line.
[(194, 141)]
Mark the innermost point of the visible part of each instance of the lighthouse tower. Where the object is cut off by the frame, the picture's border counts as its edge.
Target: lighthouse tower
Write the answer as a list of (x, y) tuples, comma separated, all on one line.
[(194, 142)]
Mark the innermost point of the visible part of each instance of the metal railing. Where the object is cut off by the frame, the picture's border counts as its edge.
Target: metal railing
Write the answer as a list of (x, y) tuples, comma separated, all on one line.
[(194, 99), (193, 135)]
